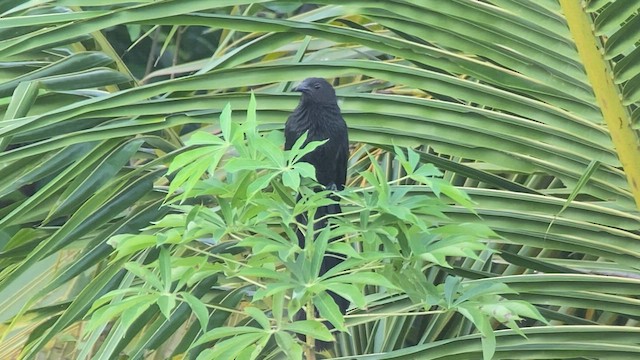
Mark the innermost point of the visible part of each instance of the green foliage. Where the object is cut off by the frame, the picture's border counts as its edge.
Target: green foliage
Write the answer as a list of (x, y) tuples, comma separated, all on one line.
[(236, 191), (493, 93)]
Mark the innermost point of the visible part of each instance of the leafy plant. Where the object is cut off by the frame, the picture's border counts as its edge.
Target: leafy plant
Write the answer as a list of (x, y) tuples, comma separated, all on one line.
[(530, 107), (245, 238)]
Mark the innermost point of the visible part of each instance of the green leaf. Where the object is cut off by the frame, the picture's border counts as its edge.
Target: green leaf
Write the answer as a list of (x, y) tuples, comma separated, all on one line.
[(484, 326), (259, 316), (239, 164), (231, 348), (349, 292), (260, 183), (364, 278), (164, 262), (287, 344), (312, 328), (198, 308), (291, 179), (200, 138), (103, 315), (305, 169), (145, 274), (225, 123), (451, 289), (473, 291), (188, 157), (166, 303), (272, 289), (222, 332), (524, 308), (90, 182), (251, 123), (329, 310), (127, 244)]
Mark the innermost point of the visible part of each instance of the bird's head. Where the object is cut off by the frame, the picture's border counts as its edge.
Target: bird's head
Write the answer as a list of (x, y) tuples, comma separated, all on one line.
[(316, 90)]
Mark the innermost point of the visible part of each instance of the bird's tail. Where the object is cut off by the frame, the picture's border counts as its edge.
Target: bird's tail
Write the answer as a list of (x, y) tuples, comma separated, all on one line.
[(330, 261)]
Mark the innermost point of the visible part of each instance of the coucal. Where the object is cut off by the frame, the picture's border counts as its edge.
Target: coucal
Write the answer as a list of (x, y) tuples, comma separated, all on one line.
[(318, 114)]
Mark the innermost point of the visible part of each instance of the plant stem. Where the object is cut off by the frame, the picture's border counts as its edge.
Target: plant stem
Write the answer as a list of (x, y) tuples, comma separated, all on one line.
[(311, 342)]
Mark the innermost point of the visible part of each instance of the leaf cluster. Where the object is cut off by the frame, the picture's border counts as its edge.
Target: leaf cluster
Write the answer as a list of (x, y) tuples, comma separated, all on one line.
[(233, 220)]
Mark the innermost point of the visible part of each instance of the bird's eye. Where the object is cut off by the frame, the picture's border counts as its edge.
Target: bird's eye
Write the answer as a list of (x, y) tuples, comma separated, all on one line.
[(316, 86)]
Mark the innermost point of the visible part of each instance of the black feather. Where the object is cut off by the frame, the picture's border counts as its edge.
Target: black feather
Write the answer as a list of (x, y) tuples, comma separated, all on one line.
[(318, 114)]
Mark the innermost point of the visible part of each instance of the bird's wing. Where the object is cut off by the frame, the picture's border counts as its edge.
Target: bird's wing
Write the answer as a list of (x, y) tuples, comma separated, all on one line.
[(341, 161), (290, 135)]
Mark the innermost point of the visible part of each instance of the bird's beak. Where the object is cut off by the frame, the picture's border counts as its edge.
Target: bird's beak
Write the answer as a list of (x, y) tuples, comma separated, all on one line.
[(301, 88)]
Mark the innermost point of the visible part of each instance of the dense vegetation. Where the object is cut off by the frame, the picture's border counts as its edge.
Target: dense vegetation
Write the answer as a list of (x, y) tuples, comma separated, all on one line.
[(118, 161)]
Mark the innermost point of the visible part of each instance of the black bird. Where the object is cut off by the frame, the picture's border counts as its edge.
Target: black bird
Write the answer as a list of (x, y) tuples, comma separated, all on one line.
[(318, 114)]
